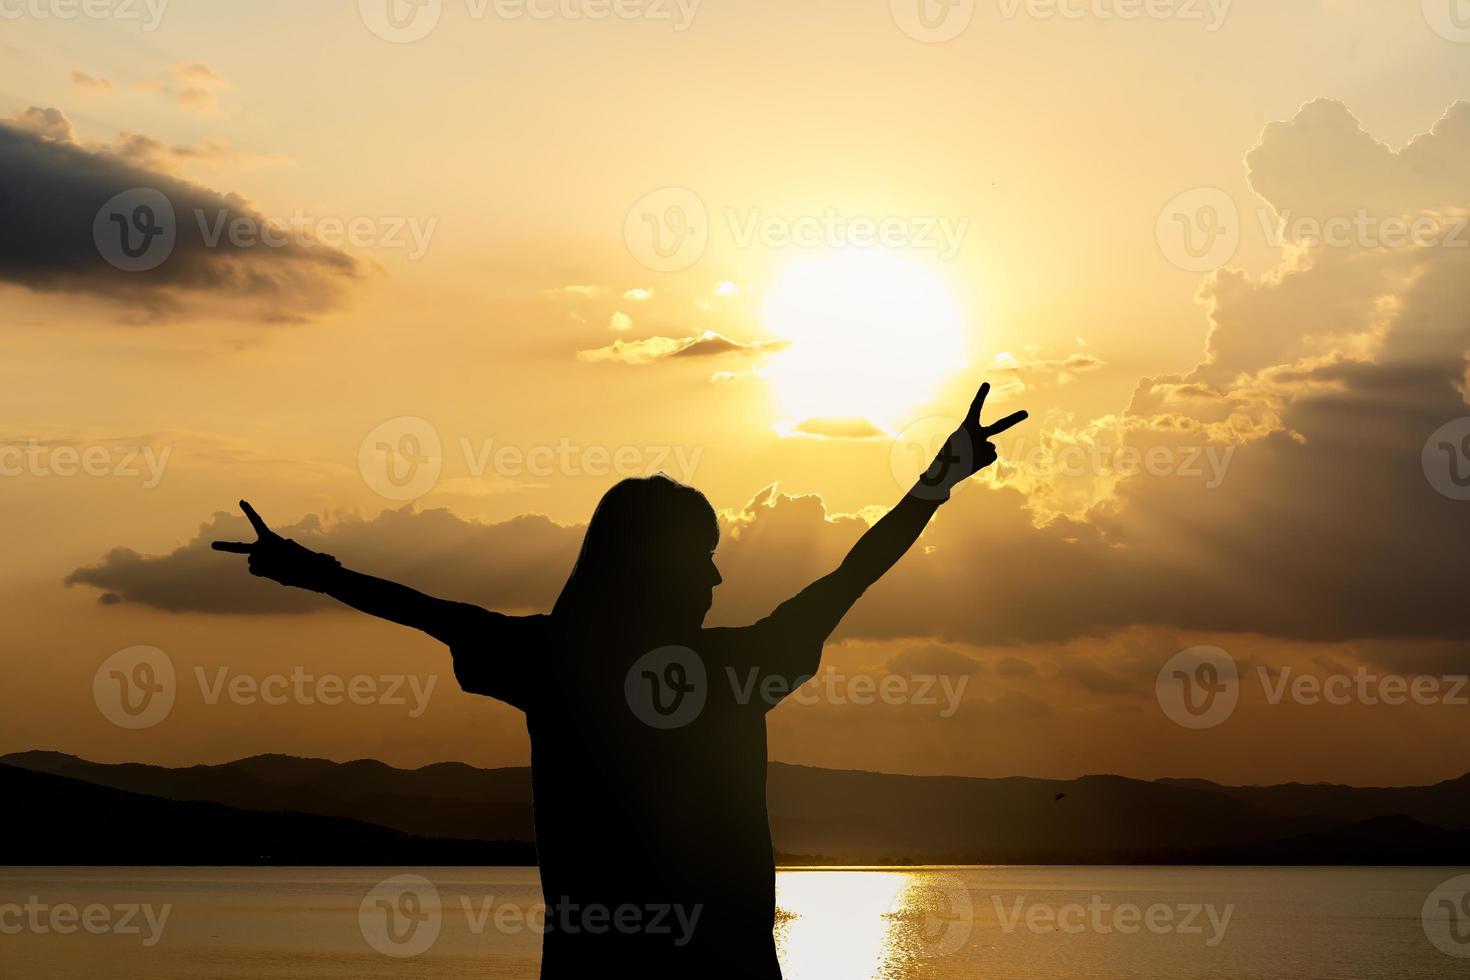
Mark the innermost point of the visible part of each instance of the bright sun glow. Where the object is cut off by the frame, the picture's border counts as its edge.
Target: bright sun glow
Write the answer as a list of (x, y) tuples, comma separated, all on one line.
[(872, 333)]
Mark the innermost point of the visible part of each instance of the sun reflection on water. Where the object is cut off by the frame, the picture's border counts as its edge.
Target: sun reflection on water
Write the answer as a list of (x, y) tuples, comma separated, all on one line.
[(870, 925)]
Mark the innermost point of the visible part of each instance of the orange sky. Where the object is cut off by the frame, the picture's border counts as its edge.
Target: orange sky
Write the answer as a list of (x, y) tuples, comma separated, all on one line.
[(751, 245)]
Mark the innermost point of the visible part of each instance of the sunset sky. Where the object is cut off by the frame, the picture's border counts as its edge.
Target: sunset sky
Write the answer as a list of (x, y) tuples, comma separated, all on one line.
[(769, 248)]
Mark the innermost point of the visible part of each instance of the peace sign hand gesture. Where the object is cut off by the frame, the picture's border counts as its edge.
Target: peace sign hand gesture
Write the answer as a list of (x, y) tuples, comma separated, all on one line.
[(967, 451), (279, 559)]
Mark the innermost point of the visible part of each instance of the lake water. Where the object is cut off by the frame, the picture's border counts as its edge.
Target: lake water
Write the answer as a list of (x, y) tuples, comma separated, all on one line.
[(943, 923)]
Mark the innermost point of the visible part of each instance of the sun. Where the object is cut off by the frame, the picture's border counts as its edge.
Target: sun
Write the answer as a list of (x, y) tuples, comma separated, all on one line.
[(872, 334)]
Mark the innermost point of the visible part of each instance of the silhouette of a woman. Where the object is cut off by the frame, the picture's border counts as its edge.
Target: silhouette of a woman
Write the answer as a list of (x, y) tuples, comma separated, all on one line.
[(648, 735)]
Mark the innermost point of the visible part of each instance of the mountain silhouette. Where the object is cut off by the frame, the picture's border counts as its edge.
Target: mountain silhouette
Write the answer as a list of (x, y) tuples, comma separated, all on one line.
[(320, 812), (65, 821), (1446, 804), (448, 799)]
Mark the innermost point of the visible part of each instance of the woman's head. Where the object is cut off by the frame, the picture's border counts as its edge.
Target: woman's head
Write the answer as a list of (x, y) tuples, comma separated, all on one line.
[(647, 560)]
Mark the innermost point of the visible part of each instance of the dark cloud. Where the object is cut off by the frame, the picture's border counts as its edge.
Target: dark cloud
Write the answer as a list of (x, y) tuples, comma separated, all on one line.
[(651, 349), (50, 124), (932, 660), (1015, 667), (710, 344), (58, 239), (516, 565), (1094, 678), (1324, 378)]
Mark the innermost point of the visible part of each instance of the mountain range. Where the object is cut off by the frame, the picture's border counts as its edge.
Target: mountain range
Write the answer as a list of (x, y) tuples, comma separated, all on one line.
[(275, 809)]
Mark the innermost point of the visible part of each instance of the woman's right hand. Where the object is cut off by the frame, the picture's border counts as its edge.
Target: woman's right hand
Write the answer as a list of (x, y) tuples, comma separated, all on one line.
[(967, 451), (279, 559)]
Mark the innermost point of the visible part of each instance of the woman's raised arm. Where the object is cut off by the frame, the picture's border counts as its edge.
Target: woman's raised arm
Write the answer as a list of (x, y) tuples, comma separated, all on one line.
[(809, 617), (283, 560)]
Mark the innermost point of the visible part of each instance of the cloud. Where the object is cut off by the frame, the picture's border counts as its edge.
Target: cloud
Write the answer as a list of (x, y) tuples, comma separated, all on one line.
[(1322, 163), (1033, 368), (834, 429), (149, 153), (652, 349), (577, 291), (620, 322), (1340, 364), (59, 240), (1015, 667), (1096, 679), (1323, 379), (50, 124), (638, 295), (932, 660), (201, 86), (91, 83), (198, 73), (514, 565)]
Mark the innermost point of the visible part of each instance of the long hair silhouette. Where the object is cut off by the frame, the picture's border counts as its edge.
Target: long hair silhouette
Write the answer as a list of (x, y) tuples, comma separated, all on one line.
[(644, 564), (648, 734)]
